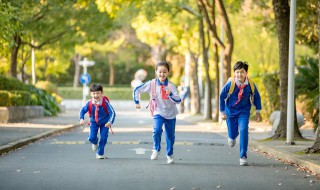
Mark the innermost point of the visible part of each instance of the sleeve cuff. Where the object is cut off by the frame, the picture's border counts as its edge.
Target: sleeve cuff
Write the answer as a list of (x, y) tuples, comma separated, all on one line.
[(258, 111)]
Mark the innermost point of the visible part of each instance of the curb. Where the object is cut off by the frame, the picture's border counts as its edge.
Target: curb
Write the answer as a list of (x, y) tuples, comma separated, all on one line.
[(22, 142), (299, 160)]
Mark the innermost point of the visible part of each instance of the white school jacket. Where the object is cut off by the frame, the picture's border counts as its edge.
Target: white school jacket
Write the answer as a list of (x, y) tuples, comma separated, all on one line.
[(166, 108)]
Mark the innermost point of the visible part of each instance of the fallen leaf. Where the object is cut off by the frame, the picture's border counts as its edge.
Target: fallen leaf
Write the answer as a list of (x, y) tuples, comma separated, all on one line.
[(279, 184), (311, 181), (172, 188), (35, 172), (19, 170), (219, 186)]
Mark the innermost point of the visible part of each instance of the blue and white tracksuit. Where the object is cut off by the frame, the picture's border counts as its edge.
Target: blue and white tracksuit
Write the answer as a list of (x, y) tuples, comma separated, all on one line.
[(238, 115), (165, 112), (103, 118)]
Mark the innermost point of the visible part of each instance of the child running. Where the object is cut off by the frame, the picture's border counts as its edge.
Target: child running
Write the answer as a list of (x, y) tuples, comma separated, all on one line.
[(164, 97), (101, 115), (235, 107)]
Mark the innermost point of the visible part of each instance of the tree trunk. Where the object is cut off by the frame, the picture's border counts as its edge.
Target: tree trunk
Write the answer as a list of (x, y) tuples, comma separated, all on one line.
[(316, 146), (194, 86), (111, 68), (207, 99), (229, 43), (217, 85), (282, 18), (14, 55), (77, 68)]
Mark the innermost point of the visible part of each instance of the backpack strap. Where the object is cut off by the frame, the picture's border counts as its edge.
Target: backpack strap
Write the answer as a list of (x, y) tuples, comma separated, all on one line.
[(231, 89), (252, 91), (90, 108), (153, 88)]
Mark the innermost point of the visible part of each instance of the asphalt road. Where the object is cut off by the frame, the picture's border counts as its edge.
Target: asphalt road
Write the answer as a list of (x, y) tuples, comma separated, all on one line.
[(203, 161)]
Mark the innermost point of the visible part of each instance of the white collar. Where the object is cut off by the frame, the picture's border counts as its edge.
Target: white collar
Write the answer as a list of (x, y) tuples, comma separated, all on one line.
[(93, 102), (246, 82)]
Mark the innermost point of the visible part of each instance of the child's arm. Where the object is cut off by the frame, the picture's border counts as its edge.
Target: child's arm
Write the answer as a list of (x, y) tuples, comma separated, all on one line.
[(173, 94), (145, 87), (257, 103), (83, 111), (112, 114), (223, 95)]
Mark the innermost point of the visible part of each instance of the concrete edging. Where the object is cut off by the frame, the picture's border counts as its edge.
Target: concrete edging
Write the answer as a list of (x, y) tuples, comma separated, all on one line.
[(19, 113), (22, 142), (287, 156)]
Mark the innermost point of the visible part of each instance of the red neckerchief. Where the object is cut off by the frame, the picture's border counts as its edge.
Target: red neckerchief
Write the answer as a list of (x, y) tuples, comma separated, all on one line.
[(241, 87)]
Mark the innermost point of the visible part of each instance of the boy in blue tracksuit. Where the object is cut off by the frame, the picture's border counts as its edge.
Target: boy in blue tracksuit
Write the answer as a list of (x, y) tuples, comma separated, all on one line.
[(235, 108), (165, 97), (101, 115)]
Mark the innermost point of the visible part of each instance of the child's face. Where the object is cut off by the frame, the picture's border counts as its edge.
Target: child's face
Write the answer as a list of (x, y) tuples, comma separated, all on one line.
[(162, 73), (96, 95), (240, 75)]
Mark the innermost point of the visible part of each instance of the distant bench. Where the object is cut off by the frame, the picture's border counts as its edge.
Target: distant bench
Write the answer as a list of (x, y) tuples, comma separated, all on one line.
[(20, 113)]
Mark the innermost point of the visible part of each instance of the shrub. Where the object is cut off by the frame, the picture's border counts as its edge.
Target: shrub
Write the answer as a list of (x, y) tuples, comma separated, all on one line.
[(4, 98), (9, 83)]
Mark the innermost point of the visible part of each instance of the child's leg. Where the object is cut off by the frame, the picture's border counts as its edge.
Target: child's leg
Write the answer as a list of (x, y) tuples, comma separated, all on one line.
[(232, 123), (243, 121), (157, 132), (170, 125), (93, 133), (103, 139)]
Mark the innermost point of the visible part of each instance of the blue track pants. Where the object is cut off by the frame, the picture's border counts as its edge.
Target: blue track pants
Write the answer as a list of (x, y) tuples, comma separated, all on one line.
[(170, 125), (94, 128), (236, 124)]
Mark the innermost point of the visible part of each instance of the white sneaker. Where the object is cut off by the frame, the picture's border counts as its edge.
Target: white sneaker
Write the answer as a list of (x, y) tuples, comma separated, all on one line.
[(231, 142), (170, 160), (154, 155), (94, 147), (99, 156), (243, 161)]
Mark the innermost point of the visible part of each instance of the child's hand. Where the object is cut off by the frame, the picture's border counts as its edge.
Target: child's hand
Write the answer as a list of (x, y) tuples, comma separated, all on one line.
[(81, 121), (108, 125), (258, 117), (223, 116), (138, 106), (168, 92)]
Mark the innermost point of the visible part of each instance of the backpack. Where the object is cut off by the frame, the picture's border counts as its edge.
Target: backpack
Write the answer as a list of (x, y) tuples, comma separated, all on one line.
[(104, 105), (153, 95), (232, 89)]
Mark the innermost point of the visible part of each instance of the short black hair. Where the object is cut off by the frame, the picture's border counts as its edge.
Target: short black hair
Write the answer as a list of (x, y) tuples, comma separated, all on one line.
[(163, 63), (241, 65), (96, 87)]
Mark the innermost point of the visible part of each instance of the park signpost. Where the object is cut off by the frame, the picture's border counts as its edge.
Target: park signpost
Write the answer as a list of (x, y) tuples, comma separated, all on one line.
[(85, 78)]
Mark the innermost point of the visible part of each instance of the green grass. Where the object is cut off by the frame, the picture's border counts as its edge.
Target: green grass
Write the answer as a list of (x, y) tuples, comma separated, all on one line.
[(113, 93)]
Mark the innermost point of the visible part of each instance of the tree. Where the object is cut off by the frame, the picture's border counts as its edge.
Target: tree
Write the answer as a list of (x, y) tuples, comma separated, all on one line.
[(209, 13), (316, 146), (282, 19)]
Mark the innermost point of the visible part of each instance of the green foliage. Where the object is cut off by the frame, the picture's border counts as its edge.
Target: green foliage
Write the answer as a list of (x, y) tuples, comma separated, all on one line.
[(9, 83), (20, 94), (4, 98), (307, 86)]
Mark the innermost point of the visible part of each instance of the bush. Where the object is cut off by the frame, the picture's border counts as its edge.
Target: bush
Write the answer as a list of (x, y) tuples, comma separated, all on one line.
[(19, 98), (16, 93), (4, 98), (9, 83)]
